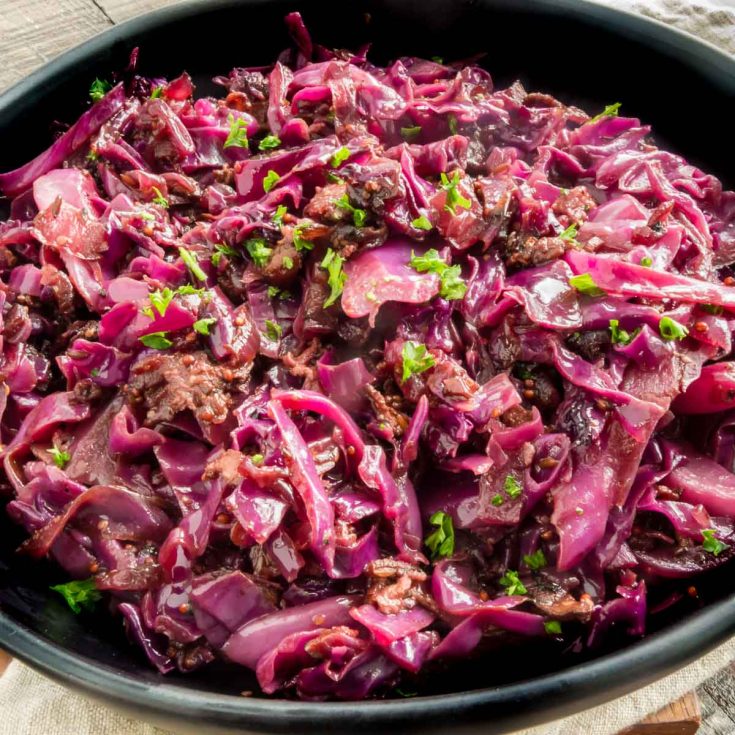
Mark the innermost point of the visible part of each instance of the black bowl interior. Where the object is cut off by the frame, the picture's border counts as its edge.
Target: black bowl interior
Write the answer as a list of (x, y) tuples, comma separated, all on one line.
[(582, 53)]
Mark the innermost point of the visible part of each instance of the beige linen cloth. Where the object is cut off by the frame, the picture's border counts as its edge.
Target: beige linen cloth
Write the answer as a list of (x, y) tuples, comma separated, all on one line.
[(30, 704)]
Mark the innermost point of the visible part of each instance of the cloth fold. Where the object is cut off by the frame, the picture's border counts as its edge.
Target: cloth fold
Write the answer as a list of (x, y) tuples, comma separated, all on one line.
[(34, 705)]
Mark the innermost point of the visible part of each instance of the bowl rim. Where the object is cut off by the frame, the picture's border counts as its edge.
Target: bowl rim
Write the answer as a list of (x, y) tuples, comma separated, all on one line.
[(526, 702)]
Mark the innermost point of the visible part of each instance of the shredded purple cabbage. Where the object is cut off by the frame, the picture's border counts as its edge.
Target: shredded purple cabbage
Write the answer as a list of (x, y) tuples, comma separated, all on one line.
[(355, 370)]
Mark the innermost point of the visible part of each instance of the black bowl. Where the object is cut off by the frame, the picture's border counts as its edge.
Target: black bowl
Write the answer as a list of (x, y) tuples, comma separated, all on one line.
[(579, 51)]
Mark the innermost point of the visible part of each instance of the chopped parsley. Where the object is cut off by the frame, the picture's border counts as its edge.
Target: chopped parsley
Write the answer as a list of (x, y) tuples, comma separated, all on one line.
[(410, 134), (437, 59), (570, 233), (269, 143), (497, 500), (646, 261), (280, 213), (92, 155), (454, 198), (192, 264), (552, 627), (159, 199), (257, 459), (713, 309), (421, 223), (156, 340), (359, 216), (584, 283), (98, 89), (259, 251), (332, 263), (441, 542), (298, 239), (156, 93), (535, 561), (273, 330), (513, 585), (287, 262), (512, 487), (238, 135), (415, 359), (609, 111), (270, 180), (61, 457), (712, 544), (452, 285), (160, 300), (619, 336), (220, 250), (339, 157), (452, 122), (273, 292), (201, 326), (670, 329), (79, 594)]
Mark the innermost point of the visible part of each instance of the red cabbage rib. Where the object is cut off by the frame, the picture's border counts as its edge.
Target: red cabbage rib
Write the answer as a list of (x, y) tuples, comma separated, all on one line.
[(350, 371)]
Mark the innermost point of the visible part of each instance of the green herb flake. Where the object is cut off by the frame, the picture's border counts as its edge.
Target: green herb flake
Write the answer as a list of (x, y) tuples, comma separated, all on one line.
[(98, 89), (156, 340), (441, 542), (332, 263), (512, 487), (259, 251), (714, 309), (407, 695), (535, 561), (270, 180), (257, 459), (422, 223), (359, 216), (298, 238), (273, 330), (269, 143), (92, 156), (220, 250), (609, 111), (452, 285), (570, 234), (273, 292), (61, 457), (585, 284), (339, 157), (646, 261), (454, 198), (712, 544), (437, 59), (410, 134), (156, 93), (160, 300), (511, 583), (670, 329), (159, 199), (552, 627), (238, 135), (192, 264), (452, 122), (617, 335), (201, 326), (287, 262), (79, 594), (415, 359), (280, 213), (497, 500)]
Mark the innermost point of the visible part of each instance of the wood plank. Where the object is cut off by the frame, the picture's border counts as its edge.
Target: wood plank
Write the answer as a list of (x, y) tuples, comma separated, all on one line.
[(32, 33), (120, 10), (682, 717)]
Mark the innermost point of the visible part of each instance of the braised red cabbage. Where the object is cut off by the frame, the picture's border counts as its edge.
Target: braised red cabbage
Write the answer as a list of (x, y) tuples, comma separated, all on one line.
[(352, 370)]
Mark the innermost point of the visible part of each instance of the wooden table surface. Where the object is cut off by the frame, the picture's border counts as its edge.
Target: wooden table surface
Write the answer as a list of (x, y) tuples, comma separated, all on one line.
[(32, 33)]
